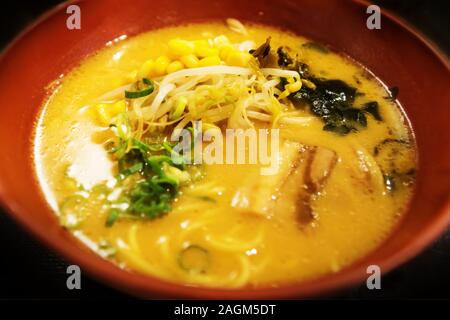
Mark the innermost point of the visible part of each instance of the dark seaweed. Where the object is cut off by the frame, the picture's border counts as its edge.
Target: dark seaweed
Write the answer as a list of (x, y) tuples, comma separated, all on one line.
[(284, 59), (303, 70), (316, 46), (262, 51), (332, 101), (385, 142), (395, 175), (372, 108), (394, 180), (393, 93)]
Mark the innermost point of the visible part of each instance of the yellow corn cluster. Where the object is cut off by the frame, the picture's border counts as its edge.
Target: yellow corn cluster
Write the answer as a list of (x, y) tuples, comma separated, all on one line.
[(194, 54), (105, 112)]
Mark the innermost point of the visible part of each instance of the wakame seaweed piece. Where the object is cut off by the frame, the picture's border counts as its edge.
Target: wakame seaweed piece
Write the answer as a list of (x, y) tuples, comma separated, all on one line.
[(262, 51), (354, 117), (345, 121), (336, 128), (316, 46), (372, 108), (284, 59), (303, 70), (287, 61), (332, 101), (393, 156), (393, 93), (329, 96)]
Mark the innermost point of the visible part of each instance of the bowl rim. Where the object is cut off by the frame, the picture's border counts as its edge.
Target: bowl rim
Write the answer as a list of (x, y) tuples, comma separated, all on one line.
[(145, 285)]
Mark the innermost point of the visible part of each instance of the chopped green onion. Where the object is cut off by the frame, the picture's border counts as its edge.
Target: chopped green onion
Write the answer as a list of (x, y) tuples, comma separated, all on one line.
[(129, 171), (178, 110), (194, 259), (141, 93), (138, 94), (112, 217)]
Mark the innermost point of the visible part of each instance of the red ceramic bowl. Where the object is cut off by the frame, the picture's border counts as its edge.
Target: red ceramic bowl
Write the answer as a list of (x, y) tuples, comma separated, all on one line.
[(396, 54)]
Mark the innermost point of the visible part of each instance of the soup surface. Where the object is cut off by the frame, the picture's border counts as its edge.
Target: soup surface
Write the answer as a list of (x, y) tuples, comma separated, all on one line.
[(345, 160)]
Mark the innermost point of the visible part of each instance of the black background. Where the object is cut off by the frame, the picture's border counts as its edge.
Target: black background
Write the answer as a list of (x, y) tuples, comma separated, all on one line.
[(29, 270)]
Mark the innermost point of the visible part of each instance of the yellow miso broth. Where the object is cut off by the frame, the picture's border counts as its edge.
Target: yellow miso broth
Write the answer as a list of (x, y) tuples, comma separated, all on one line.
[(346, 156)]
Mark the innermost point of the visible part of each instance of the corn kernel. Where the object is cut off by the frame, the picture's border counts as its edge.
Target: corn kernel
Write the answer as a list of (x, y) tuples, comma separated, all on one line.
[(238, 58), (132, 76), (294, 87), (146, 69), (209, 61), (200, 43), (225, 51), (206, 51), (180, 47), (174, 66), (116, 108), (189, 61), (104, 112), (221, 41), (161, 65), (101, 112)]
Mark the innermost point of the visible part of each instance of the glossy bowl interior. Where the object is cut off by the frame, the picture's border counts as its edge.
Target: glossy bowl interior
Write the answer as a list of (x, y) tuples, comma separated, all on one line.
[(395, 54)]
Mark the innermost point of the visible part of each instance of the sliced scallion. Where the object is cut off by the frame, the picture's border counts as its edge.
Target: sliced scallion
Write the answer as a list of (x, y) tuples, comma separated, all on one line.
[(141, 93), (112, 217)]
